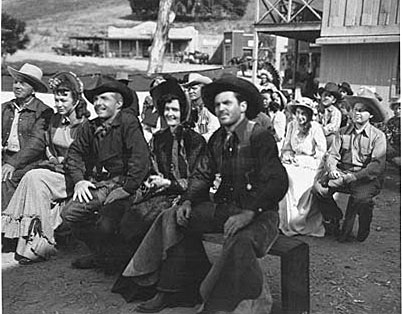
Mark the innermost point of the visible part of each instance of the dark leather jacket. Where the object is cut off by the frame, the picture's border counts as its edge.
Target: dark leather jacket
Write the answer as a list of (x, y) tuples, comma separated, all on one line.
[(122, 152)]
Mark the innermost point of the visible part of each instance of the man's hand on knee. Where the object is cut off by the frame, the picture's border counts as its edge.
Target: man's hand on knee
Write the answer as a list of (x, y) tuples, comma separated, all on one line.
[(237, 222), (82, 192)]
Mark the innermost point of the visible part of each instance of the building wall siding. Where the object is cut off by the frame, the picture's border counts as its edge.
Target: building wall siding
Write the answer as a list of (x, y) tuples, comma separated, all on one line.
[(372, 65)]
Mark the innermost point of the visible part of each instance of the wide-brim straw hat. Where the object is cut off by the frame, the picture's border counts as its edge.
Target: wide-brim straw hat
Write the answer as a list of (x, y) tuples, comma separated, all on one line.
[(232, 83), (106, 85), (368, 98), (172, 87), (303, 102), (30, 74)]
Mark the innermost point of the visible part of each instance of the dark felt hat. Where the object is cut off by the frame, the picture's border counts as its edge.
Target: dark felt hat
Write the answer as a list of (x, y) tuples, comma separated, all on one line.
[(107, 84), (170, 87), (333, 89), (368, 98), (346, 87), (232, 83)]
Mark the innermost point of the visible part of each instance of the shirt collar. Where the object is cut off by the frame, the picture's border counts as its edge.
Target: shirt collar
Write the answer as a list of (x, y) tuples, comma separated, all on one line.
[(30, 105), (239, 131), (364, 131)]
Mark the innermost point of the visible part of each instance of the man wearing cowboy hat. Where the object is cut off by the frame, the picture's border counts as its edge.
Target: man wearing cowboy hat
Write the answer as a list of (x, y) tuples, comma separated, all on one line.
[(332, 117), (205, 122), (123, 77), (106, 163), (21, 118), (243, 157), (354, 165)]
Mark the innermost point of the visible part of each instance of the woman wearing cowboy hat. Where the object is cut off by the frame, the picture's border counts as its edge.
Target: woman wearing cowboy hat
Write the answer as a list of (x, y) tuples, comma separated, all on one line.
[(302, 151), (21, 117), (30, 206), (175, 153)]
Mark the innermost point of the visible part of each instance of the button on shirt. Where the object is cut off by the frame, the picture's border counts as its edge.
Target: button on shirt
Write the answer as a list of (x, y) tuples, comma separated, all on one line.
[(362, 152)]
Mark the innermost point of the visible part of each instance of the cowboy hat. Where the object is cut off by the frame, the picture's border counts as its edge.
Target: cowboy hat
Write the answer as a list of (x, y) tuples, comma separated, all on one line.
[(304, 102), (170, 87), (195, 78), (367, 97), (122, 76), (232, 83), (107, 84), (333, 89), (30, 74), (346, 87), (395, 102)]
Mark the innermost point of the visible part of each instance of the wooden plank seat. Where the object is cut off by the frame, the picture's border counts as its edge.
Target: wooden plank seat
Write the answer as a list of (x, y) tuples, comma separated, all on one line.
[(295, 264)]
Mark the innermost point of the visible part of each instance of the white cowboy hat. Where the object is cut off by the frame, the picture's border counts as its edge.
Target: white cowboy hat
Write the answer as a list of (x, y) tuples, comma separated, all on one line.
[(195, 78), (30, 74)]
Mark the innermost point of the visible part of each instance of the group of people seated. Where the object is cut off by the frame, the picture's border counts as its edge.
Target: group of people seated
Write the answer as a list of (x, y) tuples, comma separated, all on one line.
[(141, 188)]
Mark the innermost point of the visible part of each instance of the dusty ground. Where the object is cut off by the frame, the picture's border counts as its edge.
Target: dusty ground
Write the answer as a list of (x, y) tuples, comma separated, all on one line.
[(352, 278)]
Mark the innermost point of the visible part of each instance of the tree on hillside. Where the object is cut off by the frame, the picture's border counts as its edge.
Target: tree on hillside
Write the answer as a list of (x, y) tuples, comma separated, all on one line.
[(13, 35)]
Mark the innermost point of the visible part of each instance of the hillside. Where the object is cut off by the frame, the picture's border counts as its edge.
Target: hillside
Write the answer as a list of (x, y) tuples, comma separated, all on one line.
[(50, 22)]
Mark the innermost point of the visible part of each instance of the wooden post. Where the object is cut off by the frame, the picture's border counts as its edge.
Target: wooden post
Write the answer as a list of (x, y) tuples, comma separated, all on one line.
[(255, 50), (295, 65), (160, 38)]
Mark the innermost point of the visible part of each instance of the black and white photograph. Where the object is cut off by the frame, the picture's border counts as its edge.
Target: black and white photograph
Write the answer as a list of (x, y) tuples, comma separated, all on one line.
[(200, 157)]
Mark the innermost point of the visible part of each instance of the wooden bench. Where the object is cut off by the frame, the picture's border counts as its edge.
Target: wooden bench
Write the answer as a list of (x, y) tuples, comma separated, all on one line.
[(295, 279)]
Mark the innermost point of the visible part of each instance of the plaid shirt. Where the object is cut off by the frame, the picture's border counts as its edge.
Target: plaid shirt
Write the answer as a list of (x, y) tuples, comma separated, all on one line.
[(331, 121)]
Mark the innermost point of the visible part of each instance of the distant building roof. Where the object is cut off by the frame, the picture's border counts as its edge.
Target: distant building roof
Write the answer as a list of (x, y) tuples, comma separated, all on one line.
[(146, 30)]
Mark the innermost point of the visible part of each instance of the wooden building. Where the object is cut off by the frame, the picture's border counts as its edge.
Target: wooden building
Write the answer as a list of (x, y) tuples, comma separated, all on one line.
[(359, 40), (135, 41)]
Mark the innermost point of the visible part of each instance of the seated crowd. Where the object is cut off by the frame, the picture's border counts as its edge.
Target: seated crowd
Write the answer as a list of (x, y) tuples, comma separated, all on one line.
[(224, 156)]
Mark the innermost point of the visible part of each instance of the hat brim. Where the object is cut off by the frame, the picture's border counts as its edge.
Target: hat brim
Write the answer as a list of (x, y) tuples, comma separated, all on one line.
[(110, 87), (231, 83), (292, 108), (172, 87), (37, 85), (379, 113)]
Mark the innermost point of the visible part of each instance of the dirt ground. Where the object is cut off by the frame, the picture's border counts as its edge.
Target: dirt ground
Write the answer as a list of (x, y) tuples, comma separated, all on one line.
[(345, 278)]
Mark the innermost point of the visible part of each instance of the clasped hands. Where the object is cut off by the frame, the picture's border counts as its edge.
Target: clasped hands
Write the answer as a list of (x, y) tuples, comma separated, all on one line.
[(232, 225), (337, 178)]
